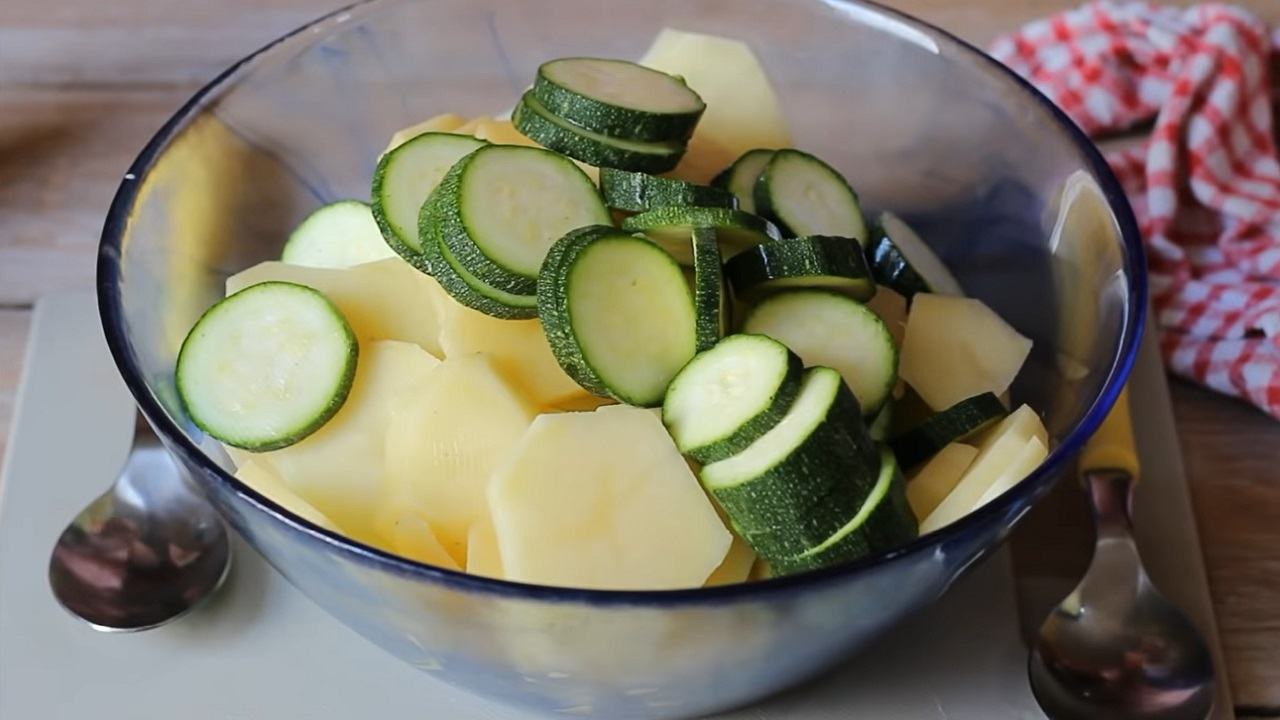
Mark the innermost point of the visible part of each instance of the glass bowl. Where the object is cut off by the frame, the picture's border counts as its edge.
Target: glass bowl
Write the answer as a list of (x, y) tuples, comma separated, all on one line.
[(999, 182)]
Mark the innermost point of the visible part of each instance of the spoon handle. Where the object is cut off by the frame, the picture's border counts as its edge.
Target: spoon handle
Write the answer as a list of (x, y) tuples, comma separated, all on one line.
[(1112, 446)]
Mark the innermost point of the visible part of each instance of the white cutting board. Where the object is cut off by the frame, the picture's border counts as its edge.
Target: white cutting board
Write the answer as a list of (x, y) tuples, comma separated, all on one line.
[(262, 650)]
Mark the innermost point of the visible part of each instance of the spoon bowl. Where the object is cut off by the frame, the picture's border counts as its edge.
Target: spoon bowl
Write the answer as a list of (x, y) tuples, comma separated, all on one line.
[(143, 553), (1116, 648)]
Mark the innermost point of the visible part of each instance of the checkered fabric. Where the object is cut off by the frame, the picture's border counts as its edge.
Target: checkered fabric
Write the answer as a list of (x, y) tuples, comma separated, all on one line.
[(1205, 184)]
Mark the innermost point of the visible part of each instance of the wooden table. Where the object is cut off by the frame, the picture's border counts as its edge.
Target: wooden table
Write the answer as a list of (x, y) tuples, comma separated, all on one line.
[(83, 85)]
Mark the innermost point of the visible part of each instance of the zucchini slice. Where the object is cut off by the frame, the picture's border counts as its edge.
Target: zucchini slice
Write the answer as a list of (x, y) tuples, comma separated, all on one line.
[(552, 131), (617, 312), (618, 98), (826, 328), (710, 297), (670, 228), (266, 366), (816, 261), (901, 260), (955, 424), (727, 397), (740, 177), (405, 177), (806, 196), (338, 235), (638, 192), (880, 425), (502, 207), (461, 284), (883, 522), (804, 478)]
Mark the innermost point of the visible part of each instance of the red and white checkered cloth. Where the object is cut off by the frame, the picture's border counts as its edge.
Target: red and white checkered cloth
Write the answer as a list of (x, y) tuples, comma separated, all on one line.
[(1205, 186)]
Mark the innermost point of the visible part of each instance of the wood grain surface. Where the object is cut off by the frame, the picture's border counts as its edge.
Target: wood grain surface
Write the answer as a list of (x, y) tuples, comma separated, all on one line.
[(84, 83)]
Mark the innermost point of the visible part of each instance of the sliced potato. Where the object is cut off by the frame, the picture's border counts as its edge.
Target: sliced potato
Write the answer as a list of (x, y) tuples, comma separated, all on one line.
[(259, 476), (891, 307), (742, 112), (1002, 454), (736, 566), (340, 468), (927, 488), (471, 126), (1033, 453), (956, 347), (408, 535), (447, 438), (518, 349), (483, 557), (383, 300), (604, 500)]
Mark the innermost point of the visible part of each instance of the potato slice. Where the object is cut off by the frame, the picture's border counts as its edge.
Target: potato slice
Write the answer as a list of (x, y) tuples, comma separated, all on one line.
[(604, 500), (736, 566), (1002, 454), (259, 476), (383, 300), (742, 112), (408, 535), (447, 438), (483, 557), (956, 347), (340, 468), (518, 349), (939, 477)]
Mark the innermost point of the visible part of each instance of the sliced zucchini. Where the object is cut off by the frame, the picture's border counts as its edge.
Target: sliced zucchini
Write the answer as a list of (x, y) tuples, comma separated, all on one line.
[(670, 227), (880, 425), (806, 196), (816, 261), (267, 366), (804, 478), (500, 209), (405, 177), (727, 397), (955, 424), (883, 522), (617, 312), (740, 177), (710, 297), (904, 262), (826, 328), (618, 98), (338, 235), (461, 284), (550, 130), (638, 192)]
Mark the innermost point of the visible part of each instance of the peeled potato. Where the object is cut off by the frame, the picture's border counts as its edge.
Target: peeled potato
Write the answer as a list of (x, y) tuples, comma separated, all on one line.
[(408, 535), (938, 477), (259, 476), (604, 500), (383, 300), (736, 566), (483, 557), (448, 437), (340, 468)]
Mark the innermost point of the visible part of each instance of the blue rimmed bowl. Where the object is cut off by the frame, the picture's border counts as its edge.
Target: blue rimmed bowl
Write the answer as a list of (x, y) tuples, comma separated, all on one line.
[(1003, 186)]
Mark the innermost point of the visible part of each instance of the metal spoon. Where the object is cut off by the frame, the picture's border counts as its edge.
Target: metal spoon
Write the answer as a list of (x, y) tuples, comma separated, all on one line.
[(1115, 648), (143, 553)]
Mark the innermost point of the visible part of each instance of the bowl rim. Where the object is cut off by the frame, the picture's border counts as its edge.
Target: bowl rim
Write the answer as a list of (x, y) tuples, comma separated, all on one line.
[(109, 289)]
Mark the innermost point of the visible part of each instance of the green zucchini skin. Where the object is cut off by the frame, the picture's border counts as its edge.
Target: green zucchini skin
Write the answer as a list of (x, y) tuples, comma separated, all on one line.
[(879, 427), (461, 285), (891, 268), (709, 292), (202, 338), (832, 263), (773, 201), (740, 177), (551, 131), (810, 491), (955, 424), (775, 406), (670, 226), (457, 236), (638, 192), (885, 521), (614, 120)]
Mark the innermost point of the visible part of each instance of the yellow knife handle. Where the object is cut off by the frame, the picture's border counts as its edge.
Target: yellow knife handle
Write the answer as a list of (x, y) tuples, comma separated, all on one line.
[(1112, 445)]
